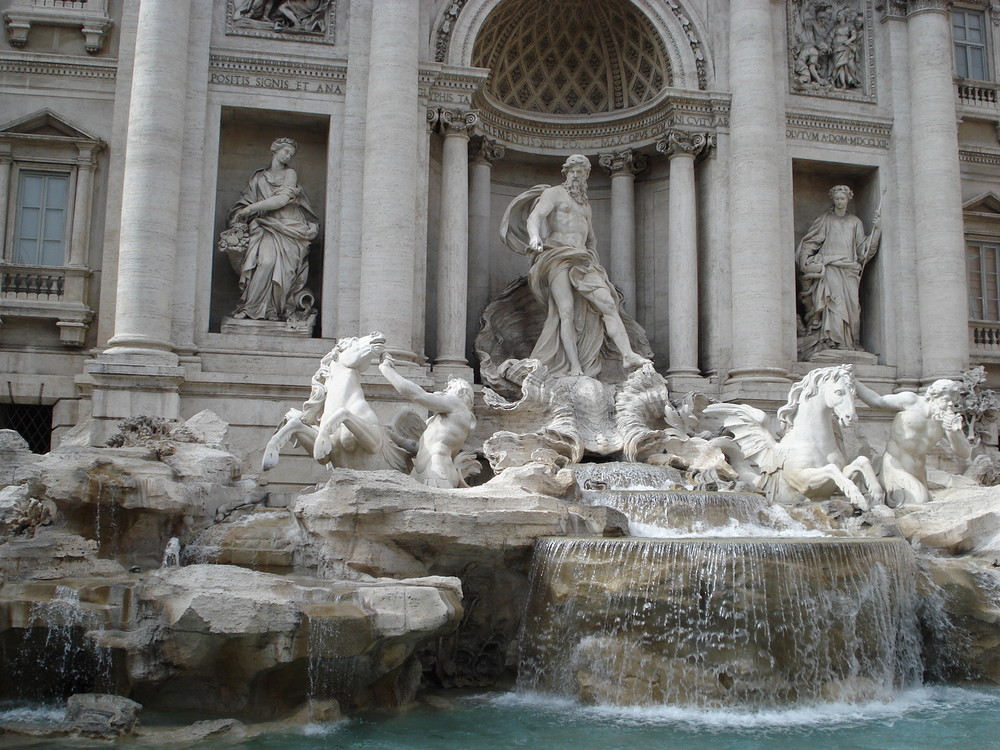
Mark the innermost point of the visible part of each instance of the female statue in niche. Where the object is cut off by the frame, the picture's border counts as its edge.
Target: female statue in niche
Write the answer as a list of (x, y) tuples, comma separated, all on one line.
[(830, 259), (271, 227)]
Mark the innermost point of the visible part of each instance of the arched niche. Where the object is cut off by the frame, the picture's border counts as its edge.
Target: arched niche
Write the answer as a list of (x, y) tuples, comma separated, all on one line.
[(573, 75)]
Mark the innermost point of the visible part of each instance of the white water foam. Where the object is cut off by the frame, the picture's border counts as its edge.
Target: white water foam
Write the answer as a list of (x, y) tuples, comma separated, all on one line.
[(923, 701)]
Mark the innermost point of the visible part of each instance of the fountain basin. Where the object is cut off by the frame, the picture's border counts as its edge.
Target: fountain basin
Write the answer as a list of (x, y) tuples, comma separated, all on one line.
[(720, 622)]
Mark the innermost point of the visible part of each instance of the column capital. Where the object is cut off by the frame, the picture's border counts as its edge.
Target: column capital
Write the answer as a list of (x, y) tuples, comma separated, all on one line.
[(86, 157), (921, 6), (685, 143), (486, 151), (628, 162), (457, 122)]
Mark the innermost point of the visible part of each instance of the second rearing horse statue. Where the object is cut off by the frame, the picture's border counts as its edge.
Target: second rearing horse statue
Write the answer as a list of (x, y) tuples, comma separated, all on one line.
[(806, 457)]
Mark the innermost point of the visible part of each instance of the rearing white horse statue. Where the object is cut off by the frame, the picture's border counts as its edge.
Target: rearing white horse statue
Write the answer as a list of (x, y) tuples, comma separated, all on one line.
[(337, 425), (808, 459)]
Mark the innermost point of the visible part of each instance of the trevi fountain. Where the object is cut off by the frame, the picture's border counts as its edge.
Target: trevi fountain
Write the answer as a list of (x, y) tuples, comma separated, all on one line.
[(762, 513)]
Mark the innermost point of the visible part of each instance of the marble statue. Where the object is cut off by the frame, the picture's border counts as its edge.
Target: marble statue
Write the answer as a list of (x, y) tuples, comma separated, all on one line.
[(807, 459), (337, 425), (920, 423), (439, 460), (553, 227), (830, 258), (270, 229)]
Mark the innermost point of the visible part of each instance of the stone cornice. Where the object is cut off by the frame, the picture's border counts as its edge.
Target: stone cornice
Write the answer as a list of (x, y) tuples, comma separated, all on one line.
[(975, 156), (252, 63), (62, 66), (854, 132), (447, 86), (546, 134)]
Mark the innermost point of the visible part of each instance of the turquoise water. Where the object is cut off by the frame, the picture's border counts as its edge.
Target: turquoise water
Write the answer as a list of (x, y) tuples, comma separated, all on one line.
[(930, 718), (935, 718)]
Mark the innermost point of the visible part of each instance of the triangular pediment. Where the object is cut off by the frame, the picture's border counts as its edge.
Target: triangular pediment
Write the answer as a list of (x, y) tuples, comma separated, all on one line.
[(45, 122), (987, 203)]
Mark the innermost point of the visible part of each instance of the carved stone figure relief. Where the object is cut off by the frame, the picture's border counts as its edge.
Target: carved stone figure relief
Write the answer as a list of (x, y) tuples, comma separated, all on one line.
[(303, 20), (829, 49)]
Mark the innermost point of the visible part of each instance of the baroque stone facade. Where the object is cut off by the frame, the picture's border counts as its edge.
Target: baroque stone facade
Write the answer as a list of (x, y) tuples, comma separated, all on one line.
[(128, 129)]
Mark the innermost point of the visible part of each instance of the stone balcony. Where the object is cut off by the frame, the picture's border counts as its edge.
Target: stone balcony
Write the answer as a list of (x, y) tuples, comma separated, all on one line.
[(984, 341), (90, 16), (976, 100), (47, 292)]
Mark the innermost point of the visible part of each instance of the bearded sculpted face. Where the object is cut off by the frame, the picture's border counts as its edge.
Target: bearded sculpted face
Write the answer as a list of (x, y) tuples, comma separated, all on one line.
[(942, 397), (576, 170)]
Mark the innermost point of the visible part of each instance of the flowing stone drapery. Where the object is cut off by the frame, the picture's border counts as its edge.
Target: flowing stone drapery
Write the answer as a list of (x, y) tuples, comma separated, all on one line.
[(484, 154), (755, 193), (937, 191), (388, 218), (623, 166), (682, 247), (453, 252), (151, 192)]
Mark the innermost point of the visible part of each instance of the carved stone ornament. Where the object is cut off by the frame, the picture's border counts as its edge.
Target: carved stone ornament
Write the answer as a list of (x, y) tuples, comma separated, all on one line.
[(684, 143), (301, 20), (457, 122), (581, 416), (830, 50), (486, 150), (623, 162)]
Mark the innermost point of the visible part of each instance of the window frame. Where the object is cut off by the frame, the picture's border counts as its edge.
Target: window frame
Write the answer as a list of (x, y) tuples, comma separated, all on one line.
[(20, 168), (979, 241), (965, 45)]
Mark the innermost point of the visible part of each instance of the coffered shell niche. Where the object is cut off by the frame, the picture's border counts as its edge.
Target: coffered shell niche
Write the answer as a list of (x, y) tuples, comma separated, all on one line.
[(575, 75)]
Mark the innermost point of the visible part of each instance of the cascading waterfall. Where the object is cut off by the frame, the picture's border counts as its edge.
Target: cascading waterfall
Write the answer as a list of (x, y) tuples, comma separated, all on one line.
[(719, 622), (732, 603), (55, 656)]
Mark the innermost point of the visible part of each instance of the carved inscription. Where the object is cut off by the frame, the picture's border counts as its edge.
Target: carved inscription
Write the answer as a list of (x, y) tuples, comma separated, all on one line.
[(275, 83)]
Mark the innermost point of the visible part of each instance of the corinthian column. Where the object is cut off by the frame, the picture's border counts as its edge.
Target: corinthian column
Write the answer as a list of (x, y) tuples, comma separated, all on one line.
[(682, 250), (388, 218), (755, 165), (453, 253), (937, 193), (151, 190), (623, 166)]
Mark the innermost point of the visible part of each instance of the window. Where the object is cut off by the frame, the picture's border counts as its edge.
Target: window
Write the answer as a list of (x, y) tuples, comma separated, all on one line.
[(33, 423), (968, 29), (40, 237), (984, 280)]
